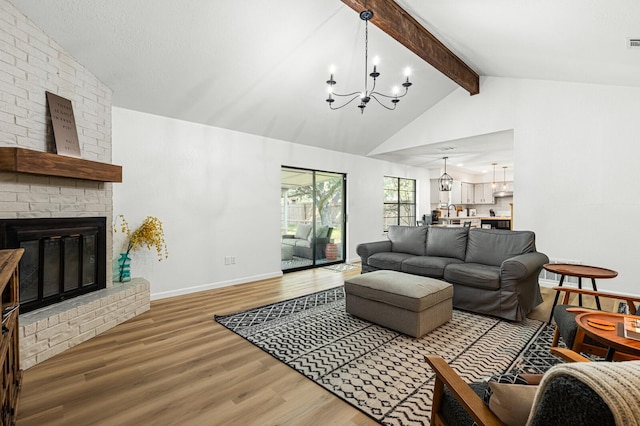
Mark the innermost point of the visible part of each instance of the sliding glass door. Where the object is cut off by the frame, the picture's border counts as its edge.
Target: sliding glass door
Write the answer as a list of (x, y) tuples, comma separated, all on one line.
[(313, 218)]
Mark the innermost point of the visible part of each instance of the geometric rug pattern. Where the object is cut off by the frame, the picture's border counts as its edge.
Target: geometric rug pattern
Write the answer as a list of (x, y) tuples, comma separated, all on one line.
[(377, 370)]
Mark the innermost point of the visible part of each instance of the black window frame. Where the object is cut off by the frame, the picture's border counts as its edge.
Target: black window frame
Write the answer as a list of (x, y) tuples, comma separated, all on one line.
[(411, 220)]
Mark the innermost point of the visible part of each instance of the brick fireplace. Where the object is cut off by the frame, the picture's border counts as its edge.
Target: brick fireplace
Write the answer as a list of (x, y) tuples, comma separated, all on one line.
[(31, 64)]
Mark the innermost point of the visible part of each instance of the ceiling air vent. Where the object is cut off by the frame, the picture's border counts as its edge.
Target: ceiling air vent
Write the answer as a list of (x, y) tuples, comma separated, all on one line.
[(633, 43)]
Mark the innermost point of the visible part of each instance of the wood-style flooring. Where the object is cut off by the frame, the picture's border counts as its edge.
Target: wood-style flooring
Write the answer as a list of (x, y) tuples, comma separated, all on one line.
[(174, 365)]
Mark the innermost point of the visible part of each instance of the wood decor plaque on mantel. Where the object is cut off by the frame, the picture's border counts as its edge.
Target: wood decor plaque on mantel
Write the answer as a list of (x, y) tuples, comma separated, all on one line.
[(21, 160), (65, 132)]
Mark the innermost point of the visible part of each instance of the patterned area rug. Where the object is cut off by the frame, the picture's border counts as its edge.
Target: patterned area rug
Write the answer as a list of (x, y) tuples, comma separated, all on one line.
[(377, 370)]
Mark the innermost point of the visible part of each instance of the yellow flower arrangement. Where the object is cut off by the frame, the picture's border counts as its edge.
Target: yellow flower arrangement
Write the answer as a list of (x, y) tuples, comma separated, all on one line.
[(149, 234)]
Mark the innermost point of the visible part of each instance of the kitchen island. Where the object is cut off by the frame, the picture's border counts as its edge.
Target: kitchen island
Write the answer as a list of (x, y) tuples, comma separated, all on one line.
[(502, 222)]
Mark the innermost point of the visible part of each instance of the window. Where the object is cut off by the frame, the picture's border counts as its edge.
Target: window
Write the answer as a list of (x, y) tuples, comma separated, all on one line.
[(399, 202)]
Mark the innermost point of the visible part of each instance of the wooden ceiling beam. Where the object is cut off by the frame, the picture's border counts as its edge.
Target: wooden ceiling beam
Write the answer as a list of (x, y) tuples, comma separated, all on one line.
[(396, 22)]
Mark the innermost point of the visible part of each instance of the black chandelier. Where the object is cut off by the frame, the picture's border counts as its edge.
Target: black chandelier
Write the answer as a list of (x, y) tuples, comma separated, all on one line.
[(366, 95)]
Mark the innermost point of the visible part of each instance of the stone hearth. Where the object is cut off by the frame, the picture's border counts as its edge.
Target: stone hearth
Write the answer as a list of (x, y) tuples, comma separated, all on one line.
[(56, 328)]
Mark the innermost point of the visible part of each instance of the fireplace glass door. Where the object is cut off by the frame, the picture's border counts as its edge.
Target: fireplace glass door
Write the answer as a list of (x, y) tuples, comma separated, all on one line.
[(63, 258)]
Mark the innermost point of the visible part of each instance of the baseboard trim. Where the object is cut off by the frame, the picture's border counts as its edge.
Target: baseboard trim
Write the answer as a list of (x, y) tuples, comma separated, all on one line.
[(211, 286)]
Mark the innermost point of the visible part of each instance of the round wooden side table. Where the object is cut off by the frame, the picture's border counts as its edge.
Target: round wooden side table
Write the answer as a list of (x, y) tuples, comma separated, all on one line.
[(613, 338), (580, 271)]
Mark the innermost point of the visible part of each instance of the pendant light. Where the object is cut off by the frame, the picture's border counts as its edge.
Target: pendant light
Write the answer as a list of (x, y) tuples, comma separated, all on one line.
[(445, 182), (504, 178), (493, 182)]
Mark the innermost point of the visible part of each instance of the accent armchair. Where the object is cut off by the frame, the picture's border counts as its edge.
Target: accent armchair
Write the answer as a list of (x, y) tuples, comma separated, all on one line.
[(562, 397)]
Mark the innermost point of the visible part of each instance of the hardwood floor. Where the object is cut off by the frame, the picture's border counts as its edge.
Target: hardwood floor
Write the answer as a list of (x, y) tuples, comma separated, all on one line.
[(176, 365)]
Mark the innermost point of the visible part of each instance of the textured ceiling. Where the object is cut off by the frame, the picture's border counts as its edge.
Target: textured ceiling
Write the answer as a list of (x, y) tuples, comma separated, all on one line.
[(260, 67)]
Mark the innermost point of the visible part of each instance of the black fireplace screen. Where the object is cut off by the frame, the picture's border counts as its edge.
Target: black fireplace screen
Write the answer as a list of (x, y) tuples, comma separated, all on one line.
[(64, 257)]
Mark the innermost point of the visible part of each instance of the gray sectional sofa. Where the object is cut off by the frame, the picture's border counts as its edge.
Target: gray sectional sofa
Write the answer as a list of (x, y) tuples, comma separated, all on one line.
[(493, 272)]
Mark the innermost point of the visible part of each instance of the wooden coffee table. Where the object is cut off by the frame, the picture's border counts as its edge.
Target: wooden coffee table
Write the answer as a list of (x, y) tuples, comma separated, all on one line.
[(614, 339), (580, 271)]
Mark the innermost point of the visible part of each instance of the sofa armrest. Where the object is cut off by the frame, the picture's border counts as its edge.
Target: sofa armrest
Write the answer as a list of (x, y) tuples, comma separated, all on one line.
[(365, 250), (524, 265)]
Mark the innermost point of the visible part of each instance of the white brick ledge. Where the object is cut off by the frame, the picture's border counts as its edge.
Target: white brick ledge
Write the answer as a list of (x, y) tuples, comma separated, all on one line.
[(49, 331)]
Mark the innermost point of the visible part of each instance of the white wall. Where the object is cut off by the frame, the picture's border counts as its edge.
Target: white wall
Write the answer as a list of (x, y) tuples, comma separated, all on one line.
[(576, 150), (217, 193), (575, 160)]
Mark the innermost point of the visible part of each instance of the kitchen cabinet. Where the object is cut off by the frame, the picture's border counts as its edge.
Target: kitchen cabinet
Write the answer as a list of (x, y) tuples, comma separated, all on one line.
[(483, 193), (467, 193), (456, 193)]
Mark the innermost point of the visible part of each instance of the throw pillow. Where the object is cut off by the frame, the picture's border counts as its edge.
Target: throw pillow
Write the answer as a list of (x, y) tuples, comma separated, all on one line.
[(512, 403), (506, 378), (303, 231)]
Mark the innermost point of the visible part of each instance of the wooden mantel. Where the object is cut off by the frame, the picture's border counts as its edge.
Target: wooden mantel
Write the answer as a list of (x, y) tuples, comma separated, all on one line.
[(21, 160)]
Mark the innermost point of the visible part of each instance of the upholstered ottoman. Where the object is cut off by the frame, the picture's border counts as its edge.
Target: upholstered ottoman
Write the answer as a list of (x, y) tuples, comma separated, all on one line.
[(410, 304)]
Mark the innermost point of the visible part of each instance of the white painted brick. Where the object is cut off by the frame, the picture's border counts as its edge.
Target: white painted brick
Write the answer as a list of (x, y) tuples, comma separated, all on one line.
[(32, 197), (49, 331), (73, 207), (72, 191), (106, 326), (16, 207), (12, 89), (54, 320), (53, 351), (91, 325), (61, 199), (27, 362), (16, 53), (82, 338), (44, 207), (64, 336), (34, 349), (8, 196), (29, 329), (27, 341)]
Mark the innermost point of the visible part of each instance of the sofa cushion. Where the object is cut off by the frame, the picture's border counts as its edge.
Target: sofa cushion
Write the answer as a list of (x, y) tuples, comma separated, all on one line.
[(321, 231), (408, 239), (303, 231), (427, 266), (303, 243), (473, 275), (447, 242), (494, 246), (388, 260), (289, 242)]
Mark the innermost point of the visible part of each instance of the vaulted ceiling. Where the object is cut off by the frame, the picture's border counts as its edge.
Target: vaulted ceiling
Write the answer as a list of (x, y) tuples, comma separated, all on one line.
[(260, 67)]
